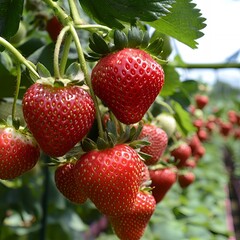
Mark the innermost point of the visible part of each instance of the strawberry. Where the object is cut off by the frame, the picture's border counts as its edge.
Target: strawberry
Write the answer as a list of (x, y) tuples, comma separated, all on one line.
[(198, 123), (181, 153), (162, 181), (232, 116), (201, 101), (53, 28), (186, 179), (131, 226), (19, 152), (145, 176), (158, 140), (190, 163), (65, 182), (202, 134), (110, 178), (58, 117), (226, 128), (127, 81), (167, 122), (194, 144)]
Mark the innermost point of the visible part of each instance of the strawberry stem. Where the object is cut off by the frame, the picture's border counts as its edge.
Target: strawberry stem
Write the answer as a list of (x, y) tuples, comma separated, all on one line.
[(19, 74), (87, 77), (91, 27), (74, 12), (60, 38), (64, 58), (19, 56)]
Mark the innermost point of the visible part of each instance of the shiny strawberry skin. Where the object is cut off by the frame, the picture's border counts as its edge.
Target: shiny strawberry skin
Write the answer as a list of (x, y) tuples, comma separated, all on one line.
[(110, 178), (19, 153), (53, 28), (65, 183), (162, 181), (181, 154), (186, 179), (131, 226), (58, 117), (201, 101), (127, 81), (158, 140)]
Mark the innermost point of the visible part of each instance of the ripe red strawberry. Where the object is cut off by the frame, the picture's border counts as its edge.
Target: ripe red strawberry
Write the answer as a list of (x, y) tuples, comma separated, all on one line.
[(54, 28), (158, 140), (232, 116), (226, 128), (190, 163), (65, 182), (19, 152), (162, 181), (194, 143), (186, 179), (131, 226), (202, 134), (128, 81), (181, 154), (198, 123), (58, 117), (201, 101), (110, 178), (145, 176)]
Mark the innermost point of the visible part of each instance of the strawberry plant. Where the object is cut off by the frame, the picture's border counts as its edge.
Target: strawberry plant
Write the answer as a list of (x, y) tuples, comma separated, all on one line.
[(92, 113)]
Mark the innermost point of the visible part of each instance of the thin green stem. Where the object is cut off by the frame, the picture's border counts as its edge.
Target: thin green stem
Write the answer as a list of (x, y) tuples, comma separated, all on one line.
[(57, 51), (205, 65), (74, 12), (62, 15), (87, 77), (92, 27), (167, 106), (64, 58), (19, 74), (18, 56)]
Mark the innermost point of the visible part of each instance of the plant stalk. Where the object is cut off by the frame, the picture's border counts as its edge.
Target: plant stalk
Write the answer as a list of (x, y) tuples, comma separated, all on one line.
[(18, 56), (60, 38)]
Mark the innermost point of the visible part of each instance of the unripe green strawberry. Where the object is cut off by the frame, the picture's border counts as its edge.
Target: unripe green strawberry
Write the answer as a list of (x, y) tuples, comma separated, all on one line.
[(110, 178), (158, 140), (58, 117), (19, 152), (167, 123), (127, 81), (65, 182), (131, 226)]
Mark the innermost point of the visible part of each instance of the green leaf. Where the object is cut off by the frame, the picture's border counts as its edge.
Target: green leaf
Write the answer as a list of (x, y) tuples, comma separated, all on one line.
[(172, 81), (183, 23), (43, 71), (10, 16), (112, 12), (183, 118), (74, 72)]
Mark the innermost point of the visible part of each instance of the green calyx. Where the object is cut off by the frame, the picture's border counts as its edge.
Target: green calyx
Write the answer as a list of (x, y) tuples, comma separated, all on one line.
[(73, 76), (115, 134), (117, 40)]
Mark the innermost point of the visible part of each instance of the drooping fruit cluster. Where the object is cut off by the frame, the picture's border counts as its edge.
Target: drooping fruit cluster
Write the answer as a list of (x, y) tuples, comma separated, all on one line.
[(128, 82)]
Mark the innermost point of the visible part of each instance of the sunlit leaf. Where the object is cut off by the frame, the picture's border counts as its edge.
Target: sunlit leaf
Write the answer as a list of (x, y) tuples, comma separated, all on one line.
[(183, 23)]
